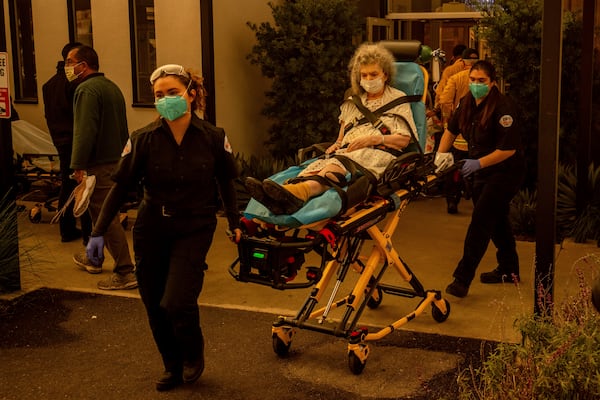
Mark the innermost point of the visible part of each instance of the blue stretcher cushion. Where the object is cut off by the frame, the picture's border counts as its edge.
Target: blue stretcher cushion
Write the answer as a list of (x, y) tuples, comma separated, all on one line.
[(324, 206), (410, 79)]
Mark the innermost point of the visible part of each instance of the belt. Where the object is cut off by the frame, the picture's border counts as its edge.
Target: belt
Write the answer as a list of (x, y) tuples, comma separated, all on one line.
[(172, 211)]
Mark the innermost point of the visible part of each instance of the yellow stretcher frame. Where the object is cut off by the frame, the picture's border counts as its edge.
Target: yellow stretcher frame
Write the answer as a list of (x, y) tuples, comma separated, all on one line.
[(345, 255)]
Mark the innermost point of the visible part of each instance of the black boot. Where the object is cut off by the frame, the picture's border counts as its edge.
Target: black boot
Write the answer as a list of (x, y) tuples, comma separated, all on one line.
[(169, 380)]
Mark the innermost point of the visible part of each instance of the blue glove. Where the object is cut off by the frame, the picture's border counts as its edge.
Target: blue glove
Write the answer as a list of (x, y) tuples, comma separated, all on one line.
[(470, 166), (95, 250)]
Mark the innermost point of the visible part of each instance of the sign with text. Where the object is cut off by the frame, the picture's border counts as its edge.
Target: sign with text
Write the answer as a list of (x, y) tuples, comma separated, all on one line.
[(4, 88)]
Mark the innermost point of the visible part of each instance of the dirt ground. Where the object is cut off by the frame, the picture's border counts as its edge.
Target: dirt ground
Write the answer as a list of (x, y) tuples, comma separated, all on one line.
[(60, 344)]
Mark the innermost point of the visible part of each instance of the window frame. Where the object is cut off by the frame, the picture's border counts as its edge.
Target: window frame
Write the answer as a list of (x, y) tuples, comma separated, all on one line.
[(74, 21), (23, 53), (139, 78)]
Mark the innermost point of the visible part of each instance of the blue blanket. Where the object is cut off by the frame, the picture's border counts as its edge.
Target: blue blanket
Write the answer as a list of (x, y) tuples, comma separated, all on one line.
[(318, 208)]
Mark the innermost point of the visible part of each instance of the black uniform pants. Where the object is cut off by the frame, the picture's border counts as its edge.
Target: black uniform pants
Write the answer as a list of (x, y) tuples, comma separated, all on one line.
[(490, 221), (170, 254)]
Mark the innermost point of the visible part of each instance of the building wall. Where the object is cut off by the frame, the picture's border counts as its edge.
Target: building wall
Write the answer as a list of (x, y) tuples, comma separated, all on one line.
[(239, 87)]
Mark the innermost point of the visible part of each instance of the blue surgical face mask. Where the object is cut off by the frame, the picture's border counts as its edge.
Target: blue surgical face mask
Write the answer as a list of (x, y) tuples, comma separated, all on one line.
[(479, 90), (171, 107)]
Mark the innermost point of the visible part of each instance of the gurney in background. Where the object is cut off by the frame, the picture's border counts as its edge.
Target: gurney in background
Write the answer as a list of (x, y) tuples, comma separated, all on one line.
[(37, 168), (37, 173)]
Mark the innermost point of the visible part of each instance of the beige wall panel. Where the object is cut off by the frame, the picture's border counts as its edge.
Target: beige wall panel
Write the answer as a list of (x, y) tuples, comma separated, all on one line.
[(51, 34), (110, 26), (178, 39), (239, 85)]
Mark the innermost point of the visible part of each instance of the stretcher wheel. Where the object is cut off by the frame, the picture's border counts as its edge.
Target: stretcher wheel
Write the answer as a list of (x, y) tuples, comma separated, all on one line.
[(279, 346), (376, 299), (35, 214), (437, 314), (355, 364)]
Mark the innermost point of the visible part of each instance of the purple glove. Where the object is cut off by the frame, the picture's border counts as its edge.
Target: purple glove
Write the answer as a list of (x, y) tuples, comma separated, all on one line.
[(470, 166), (95, 250)]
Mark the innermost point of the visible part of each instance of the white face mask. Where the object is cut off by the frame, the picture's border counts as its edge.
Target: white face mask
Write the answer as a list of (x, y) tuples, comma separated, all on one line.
[(70, 72), (372, 85)]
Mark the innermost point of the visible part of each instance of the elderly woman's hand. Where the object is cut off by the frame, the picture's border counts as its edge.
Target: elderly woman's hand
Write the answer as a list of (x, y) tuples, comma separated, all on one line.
[(366, 141), (333, 148)]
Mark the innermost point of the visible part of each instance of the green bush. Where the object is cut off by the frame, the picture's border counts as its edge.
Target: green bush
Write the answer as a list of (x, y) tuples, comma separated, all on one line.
[(10, 280), (558, 358), (581, 228), (259, 168), (305, 53), (522, 214)]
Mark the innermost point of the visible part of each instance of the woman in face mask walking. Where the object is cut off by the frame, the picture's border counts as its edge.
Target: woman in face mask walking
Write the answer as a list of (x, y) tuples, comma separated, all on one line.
[(486, 119), (183, 163), (371, 147)]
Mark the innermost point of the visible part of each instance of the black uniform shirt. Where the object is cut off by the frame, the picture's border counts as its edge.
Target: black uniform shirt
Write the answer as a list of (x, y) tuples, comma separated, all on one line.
[(181, 179), (501, 132)]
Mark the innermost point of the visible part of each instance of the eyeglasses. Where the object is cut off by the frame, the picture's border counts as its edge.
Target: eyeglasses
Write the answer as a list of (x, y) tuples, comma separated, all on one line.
[(169, 69)]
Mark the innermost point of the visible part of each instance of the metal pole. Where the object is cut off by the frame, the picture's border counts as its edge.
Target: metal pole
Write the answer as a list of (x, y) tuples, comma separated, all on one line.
[(10, 278), (584, 136), (549, 120), (208, 58)]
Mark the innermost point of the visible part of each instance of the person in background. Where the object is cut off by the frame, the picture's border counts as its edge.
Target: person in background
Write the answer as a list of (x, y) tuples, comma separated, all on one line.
[(99, 136), (456, 64), (487, 120), (456, 87), (184, 163), (457, 53), (58, 109)]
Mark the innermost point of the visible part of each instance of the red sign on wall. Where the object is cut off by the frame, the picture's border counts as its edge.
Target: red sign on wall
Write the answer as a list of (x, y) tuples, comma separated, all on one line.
[(4, 88)]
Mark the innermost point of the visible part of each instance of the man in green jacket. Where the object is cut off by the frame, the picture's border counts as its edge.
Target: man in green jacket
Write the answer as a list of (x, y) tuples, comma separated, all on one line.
[(99, 137)]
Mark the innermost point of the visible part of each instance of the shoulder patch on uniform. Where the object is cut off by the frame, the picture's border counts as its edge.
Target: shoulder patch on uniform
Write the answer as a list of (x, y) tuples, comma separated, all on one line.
[(127, 148), (506, 121), (227, 146)]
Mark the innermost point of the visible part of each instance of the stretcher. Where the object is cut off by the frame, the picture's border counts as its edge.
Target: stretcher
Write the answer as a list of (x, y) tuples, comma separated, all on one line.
[(37, 168), (355, 250), (360, 241)]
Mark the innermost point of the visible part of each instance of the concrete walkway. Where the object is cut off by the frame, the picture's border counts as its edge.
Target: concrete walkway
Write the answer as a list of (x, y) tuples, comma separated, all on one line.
[(427, 239), (68, 344)]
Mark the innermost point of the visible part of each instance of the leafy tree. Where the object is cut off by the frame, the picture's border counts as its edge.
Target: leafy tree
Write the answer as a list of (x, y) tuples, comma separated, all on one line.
[(306, 53), (513, 31)]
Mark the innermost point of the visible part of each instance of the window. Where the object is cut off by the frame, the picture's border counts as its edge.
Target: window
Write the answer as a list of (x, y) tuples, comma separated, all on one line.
[(143, 50), (21, 23), (80, 21)]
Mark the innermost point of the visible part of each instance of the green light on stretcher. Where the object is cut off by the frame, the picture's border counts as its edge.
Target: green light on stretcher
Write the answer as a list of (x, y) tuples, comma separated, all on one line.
[(260, 255)]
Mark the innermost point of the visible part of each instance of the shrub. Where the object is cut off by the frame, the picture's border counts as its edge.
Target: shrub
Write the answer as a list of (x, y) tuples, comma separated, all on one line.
[(586, 225), (522, 214), (558, 358), (10, 280), (582, 227), (306, 54), (257, 167)]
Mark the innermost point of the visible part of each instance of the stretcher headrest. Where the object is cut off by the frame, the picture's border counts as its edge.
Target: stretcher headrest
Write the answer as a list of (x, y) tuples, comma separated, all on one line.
[(403, 50)]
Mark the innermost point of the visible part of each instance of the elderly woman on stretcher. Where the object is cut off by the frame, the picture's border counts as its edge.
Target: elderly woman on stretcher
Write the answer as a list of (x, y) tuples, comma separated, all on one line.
[(362, 142)]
